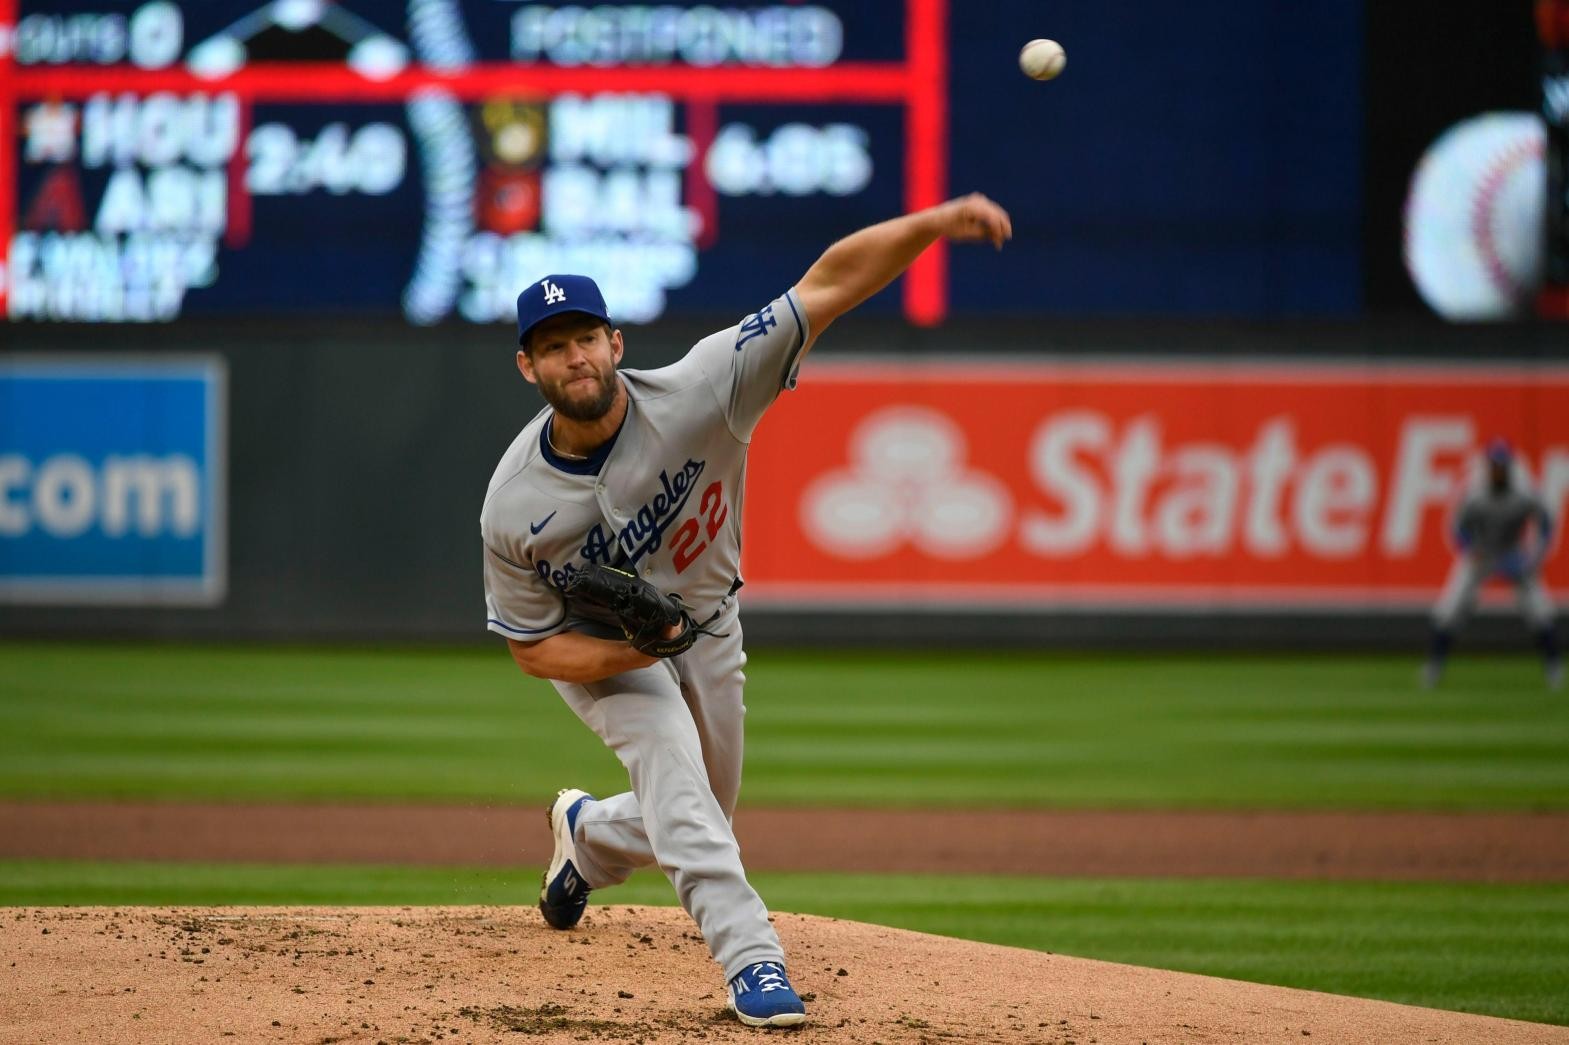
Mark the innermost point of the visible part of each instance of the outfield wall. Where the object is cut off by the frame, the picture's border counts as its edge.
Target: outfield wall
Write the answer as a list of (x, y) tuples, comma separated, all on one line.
[(1008, 483)]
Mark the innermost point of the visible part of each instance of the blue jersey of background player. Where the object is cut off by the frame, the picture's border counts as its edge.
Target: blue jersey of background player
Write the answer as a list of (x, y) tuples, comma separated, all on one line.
[(1501, 529)]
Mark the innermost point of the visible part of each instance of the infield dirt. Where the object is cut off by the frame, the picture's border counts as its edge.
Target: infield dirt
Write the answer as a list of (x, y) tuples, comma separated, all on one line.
[(1388, 846), (628, 974), (638, 974)]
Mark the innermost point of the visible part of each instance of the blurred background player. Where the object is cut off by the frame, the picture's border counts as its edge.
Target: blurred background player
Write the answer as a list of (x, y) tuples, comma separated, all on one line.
[(1495, 539)]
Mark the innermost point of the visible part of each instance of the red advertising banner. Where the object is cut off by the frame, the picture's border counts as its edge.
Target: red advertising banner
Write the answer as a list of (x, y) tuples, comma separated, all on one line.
[(1132, 483)]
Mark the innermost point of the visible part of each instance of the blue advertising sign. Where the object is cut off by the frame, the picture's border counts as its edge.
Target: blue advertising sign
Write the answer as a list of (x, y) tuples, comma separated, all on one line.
[(112, 481)]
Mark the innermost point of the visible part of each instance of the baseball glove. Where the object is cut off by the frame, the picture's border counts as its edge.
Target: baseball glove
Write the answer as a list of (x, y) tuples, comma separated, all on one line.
[(644, 612)]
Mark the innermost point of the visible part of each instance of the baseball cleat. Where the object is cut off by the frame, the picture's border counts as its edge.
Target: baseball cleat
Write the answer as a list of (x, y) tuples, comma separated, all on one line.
[(1555, 674), (1432, 674), (760, 996), (563, 895)]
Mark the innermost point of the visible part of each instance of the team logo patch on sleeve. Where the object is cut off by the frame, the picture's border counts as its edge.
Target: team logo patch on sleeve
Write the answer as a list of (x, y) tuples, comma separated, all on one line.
[(755, 325)]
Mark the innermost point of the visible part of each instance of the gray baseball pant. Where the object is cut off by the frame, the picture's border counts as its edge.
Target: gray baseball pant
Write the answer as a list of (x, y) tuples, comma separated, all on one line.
[(677, 728), (1465, 582)]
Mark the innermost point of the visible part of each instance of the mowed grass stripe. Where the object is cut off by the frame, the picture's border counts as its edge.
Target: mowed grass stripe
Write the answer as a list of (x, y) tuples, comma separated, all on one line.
[(126, 729), (441, 778), (837, 728), (1500, 950)]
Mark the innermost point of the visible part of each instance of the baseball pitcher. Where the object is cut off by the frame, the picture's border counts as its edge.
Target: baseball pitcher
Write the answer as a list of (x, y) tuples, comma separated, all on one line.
[(612, 547), (1495, 538)]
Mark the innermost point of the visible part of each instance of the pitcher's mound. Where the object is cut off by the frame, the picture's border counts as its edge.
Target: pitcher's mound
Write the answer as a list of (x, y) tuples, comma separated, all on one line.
[(628, 974)]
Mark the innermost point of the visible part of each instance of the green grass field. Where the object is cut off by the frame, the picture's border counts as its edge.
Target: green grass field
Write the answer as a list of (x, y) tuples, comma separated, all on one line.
[(846, 729), (868, 730)]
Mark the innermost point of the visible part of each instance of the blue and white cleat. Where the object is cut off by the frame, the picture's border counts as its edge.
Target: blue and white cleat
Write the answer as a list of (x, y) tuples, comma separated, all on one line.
[(563, 895), (760, 996)]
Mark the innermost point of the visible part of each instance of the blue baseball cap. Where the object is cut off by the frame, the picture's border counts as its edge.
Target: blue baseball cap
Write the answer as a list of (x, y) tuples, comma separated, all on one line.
[(554, 295), (1499, 451)]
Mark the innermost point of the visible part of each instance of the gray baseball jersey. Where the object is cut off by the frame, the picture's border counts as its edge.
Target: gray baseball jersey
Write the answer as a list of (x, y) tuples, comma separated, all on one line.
[(1489, 527), (1492, 524), (662, 498)]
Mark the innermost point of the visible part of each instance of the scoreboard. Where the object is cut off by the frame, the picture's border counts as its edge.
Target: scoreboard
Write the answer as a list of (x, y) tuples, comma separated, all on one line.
[(160, 159)]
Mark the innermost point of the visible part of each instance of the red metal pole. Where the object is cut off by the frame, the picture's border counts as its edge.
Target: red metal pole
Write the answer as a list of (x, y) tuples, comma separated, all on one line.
[(926, 146)]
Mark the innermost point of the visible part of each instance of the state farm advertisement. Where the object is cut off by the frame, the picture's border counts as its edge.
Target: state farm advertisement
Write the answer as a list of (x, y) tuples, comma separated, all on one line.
[(1124, 483)]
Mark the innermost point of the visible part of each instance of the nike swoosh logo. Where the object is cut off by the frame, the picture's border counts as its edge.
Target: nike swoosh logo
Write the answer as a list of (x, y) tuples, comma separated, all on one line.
[(534, 528)]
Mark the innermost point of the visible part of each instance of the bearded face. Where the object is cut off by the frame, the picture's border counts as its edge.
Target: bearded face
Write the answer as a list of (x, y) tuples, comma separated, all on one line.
[(586, 396), (572, 360)]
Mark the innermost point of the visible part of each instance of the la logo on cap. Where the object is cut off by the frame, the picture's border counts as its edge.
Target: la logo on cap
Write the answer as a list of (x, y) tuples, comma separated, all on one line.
[(553, 293)]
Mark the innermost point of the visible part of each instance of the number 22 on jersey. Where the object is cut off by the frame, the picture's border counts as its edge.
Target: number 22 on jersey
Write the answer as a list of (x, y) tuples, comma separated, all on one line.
[(712, 512)]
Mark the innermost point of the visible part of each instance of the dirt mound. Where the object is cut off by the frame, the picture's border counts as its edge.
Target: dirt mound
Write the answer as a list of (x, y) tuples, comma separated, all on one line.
[(628, 974)]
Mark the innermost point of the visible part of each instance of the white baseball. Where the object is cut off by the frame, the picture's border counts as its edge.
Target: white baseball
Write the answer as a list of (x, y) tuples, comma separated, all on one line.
[(1043, 59), (1474, 217)]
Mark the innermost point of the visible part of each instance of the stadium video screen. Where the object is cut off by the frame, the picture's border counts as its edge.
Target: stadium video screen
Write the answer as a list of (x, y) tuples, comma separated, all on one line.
[(434, 156), (166, 159)]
